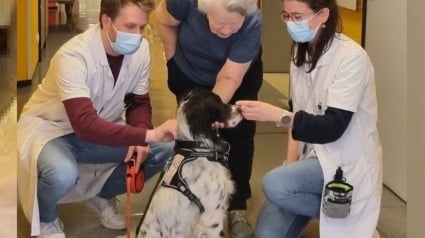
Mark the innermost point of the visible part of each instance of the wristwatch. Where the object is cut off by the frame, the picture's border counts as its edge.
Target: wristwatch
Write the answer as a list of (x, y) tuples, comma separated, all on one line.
[(284, 120)]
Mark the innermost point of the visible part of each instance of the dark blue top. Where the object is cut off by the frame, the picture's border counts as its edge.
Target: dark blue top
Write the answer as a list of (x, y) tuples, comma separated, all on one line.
[(200, 54)]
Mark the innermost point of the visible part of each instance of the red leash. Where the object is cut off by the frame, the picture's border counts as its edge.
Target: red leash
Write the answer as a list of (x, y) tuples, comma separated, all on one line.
[(135, 182)]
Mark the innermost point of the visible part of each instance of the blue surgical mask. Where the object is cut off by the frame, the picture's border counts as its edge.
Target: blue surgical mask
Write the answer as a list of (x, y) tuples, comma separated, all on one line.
[(125, 43), (300, 31)]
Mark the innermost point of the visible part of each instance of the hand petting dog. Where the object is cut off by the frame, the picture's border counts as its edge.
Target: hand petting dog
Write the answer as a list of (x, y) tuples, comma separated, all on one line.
[(165, 132)]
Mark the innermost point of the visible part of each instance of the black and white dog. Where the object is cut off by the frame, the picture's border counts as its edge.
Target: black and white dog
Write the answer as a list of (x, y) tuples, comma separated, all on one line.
[(192, 198)]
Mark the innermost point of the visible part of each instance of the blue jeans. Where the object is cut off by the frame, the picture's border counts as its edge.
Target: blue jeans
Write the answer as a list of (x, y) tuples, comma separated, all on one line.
[(58, 171), (294, 193)]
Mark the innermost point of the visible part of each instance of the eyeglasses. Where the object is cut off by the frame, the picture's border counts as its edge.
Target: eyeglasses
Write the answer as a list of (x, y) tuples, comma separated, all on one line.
[(298, 17)]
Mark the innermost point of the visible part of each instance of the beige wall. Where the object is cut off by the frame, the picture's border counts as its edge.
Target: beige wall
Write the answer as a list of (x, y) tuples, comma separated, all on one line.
[(5, 10), (395, 39), (415, 118), (275, 40), (386, 44), (350, 4)]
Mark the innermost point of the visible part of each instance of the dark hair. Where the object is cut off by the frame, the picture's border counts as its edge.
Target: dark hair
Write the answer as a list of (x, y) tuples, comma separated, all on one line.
[(112, 7), (332, 25)]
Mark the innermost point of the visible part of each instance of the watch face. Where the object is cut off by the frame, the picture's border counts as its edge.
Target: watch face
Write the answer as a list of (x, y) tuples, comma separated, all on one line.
[(285, 120)]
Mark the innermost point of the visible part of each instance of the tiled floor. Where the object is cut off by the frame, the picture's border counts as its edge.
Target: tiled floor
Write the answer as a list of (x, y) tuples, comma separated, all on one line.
[(269, 142)]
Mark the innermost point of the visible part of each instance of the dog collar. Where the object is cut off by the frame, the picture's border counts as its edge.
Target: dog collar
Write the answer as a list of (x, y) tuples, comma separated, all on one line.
[(190, 149)]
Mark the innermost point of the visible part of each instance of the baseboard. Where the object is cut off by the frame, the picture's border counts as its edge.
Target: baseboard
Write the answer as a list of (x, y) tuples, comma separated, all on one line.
[(23, 83)]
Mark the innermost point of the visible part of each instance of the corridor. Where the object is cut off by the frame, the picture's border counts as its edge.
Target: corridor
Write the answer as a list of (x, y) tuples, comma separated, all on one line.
[(270, 141)]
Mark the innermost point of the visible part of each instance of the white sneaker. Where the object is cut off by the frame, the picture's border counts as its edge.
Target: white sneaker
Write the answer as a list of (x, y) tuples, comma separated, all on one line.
[(107, 212), (52, 229), (239, 226)]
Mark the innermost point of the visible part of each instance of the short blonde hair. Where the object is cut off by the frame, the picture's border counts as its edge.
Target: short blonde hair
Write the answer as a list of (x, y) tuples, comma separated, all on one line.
[(243, 7)]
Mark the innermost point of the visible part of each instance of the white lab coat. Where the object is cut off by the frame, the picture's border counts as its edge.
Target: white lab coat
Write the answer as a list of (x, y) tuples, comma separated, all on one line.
[(79, 69), (344, 78)]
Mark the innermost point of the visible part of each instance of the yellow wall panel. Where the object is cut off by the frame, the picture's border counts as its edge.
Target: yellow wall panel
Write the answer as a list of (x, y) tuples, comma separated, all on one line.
[(27, 38), (21, 40), (352, 23), (34, 38)]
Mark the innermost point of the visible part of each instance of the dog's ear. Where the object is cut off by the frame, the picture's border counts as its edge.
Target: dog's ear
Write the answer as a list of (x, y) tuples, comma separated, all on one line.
[(203, 108), (188, 94)]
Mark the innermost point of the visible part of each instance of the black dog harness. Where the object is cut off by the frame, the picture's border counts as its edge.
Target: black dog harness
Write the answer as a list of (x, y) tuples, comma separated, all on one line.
[(191, 150)]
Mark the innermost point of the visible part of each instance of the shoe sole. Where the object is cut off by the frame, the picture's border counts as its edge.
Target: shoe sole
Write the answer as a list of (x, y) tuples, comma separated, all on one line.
[(112, 227)]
